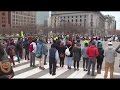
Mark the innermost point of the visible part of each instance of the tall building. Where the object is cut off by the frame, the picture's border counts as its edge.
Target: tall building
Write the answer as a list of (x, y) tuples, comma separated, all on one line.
[(92, 20), (42, 17), (4, 21), (18, 20), (110, 24)]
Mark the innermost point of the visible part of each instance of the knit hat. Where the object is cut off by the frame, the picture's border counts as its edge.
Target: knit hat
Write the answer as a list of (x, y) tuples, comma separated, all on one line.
[(99, 45), (109, 43)]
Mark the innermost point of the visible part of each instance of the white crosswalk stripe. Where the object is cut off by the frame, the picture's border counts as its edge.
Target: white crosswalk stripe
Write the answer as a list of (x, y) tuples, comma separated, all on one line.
[(59, 72)]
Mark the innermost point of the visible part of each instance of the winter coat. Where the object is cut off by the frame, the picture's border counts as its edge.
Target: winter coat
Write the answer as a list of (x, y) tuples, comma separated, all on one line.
[(76, 53), (110, 54), (83, 52), (92, 51)]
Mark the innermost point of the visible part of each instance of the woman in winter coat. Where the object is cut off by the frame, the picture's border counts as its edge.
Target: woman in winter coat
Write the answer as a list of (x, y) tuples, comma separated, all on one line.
[(61, 51), (76, 55), (69, 57), (100, 57)]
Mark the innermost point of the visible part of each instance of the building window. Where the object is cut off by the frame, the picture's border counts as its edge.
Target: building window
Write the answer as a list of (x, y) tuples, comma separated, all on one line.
[(64, 16), (72, 16), (80, 24), (80, 20), (68, 20), (85, 16), (72, 20), (3, 13), (68, 16), (85, 20), (80, 16), (76, 16), (3, 25), (76, 20)]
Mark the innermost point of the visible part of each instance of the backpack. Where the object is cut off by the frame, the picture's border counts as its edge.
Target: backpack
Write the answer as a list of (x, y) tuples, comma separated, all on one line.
[(67, 51), (12, 52), (39, 51), (52, 52), (31, 47)]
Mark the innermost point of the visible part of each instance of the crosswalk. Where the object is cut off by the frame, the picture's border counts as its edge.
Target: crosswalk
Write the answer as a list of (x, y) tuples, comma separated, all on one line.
[(24, 71)]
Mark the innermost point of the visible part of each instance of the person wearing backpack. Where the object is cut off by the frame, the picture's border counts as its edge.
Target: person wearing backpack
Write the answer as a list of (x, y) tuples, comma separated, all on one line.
[(85, 57), (32, 49), (76, 55), (61, 51), (11, 52), (26, 47), (45, 51), (40, 53), (92, 53), (69, 54), (100, 57), (53, 57)]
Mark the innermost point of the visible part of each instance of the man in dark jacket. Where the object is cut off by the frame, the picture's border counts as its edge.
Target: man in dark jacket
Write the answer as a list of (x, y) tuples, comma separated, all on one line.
[(53, 57), (100, 57), (26, 47)]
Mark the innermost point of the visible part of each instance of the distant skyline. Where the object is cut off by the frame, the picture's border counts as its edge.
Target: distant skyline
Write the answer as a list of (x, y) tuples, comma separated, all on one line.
[(116, 14), (43, 15)]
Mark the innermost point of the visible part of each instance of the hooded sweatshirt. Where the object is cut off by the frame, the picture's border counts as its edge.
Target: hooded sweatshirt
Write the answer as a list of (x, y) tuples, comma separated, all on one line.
[(110, 54)]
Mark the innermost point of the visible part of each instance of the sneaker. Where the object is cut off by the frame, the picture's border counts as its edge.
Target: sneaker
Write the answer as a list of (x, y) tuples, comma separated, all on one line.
[(45, 63), (88, 73), (75, 69), (68, 67), (83, 69), (86, 70), (54, 74), (42, 68), (93, 75)]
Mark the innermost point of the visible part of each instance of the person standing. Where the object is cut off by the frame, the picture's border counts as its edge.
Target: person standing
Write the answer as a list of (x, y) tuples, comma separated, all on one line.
[(92, 53), (40, 53), (45, 48), (61, 51), (70, 56), (26, 47), (32, 49), (110, 55), (76, 55), (53, 57), (85, 57), (100, 57)]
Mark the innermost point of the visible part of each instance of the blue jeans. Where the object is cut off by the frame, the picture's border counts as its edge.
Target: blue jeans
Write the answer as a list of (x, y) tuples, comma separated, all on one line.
[(91, 62), (69, 61)]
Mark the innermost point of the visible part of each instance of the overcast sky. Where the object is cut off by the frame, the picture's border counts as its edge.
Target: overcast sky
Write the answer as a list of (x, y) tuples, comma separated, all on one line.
[(117, 17)]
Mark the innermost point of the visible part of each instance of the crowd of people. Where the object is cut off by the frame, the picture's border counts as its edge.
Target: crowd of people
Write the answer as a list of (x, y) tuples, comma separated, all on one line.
[(91, 53)]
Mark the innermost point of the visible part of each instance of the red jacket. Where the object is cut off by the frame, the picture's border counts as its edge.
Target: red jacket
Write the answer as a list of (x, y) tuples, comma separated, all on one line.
[(92, 51)]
